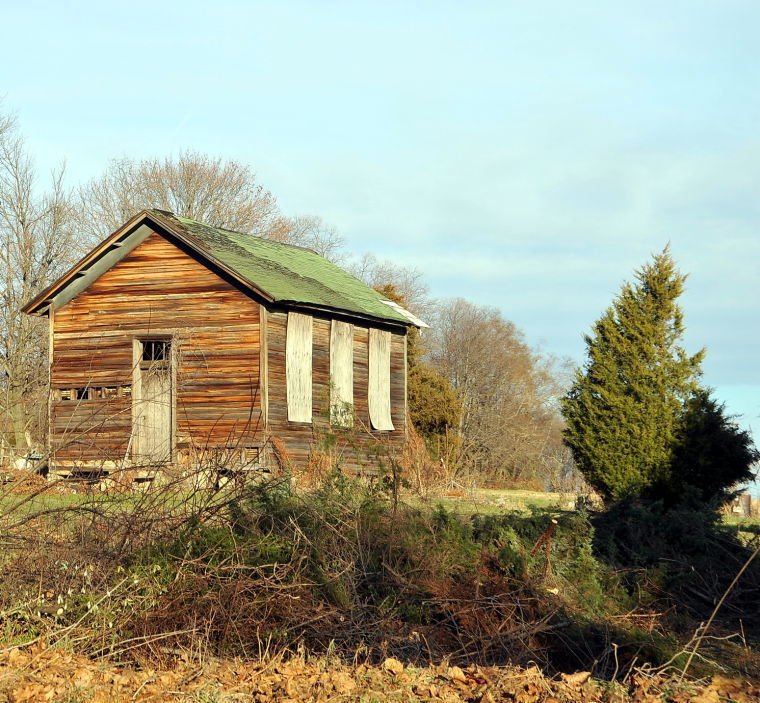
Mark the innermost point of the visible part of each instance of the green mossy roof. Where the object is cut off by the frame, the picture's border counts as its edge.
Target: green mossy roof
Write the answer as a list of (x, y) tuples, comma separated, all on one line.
[(287, 273)]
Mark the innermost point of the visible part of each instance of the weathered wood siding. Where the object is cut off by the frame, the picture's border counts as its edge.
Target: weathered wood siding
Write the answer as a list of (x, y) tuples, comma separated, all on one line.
[(356, 447), (156, 290)]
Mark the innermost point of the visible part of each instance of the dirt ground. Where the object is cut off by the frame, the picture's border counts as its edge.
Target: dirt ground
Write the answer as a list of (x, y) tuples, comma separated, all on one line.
[(53, 674)]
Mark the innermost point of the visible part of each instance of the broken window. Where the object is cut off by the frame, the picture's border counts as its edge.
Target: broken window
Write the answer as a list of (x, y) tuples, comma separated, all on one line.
[(341, 373), (380, 380), (87, 393), (298, 354), (155, 350)]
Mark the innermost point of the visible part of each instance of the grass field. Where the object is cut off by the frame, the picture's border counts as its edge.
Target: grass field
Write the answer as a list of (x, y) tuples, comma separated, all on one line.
[(488, 501), (22, 506), (484, 501), (12, 503)]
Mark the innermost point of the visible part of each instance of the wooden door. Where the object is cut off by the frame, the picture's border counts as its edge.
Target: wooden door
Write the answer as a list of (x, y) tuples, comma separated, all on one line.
[(154, 407)]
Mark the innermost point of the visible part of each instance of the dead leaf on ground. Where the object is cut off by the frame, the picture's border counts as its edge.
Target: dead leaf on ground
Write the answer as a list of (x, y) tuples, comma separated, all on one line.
[(576, 679), (456, 674), (709, 695), (393, 665), (343, 683)]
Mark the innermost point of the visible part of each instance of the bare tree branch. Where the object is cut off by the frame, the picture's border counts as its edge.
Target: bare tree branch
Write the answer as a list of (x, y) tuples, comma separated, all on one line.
[(510, 428), (37, 243), (200, 187)]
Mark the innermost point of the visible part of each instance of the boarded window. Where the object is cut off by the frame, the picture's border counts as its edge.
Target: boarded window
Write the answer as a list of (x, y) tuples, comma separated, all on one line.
[(298, 367), (341, 374), (380, 379)]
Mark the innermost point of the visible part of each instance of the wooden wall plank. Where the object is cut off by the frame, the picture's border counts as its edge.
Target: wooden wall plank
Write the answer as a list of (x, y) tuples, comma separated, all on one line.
[(158, 289)]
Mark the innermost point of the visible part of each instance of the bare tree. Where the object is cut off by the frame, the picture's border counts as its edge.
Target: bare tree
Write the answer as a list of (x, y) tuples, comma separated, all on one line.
[(407, 281), (509, 427), (217, 192), (211, 190), (37, 243), (312, 232)]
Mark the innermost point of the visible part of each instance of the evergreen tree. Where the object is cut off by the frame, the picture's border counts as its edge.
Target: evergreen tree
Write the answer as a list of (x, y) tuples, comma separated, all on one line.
[(624, 409), (712, 454), (434, 406)]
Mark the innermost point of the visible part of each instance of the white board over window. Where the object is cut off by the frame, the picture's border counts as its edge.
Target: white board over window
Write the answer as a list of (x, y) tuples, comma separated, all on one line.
[(298, 354), (380, 380), (341, 374)]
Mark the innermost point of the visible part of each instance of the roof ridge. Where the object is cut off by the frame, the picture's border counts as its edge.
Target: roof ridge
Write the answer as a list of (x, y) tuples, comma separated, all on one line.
[(234, 231)]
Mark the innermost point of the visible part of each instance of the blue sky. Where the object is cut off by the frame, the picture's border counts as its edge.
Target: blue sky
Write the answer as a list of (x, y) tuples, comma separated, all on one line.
[(523, 155)]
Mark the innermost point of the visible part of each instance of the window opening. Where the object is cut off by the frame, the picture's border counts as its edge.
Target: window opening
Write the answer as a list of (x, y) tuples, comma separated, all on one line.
[(92, 392), (155, 350)]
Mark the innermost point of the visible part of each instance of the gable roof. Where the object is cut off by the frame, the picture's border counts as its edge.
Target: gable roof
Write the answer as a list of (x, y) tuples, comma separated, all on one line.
[(280, 273)]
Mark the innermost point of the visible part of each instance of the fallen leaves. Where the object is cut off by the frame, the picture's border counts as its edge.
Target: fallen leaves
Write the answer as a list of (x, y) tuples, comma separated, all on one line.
[(393, 665), (41, 673), (456, 674), (577, 679)]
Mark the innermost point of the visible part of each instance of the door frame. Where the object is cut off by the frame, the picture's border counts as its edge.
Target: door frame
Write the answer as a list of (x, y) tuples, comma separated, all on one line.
[(137, 352)]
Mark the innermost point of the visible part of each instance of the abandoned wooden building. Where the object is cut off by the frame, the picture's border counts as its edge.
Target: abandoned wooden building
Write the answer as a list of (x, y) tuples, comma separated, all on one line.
[(173, 343)]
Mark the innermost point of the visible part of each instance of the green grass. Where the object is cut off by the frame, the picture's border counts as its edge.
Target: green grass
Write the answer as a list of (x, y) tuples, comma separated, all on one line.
[(525, 499), (10, 503), (741, 521), (25, 505), (483, 501), (486, 501), (747, 528)]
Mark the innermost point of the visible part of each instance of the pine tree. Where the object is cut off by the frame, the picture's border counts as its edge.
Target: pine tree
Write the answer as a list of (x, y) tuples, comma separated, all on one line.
[(624, 409), (712, 454)]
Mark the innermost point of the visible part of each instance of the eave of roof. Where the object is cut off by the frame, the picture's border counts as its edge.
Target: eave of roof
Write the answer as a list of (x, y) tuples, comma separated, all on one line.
[(46, 297)]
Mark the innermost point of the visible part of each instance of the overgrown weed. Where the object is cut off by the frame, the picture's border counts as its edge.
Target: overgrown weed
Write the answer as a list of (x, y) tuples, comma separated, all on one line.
[(263, 570)]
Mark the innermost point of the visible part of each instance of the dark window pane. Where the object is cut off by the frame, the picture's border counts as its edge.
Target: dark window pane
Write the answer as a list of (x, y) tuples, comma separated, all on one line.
[(155, 350)]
